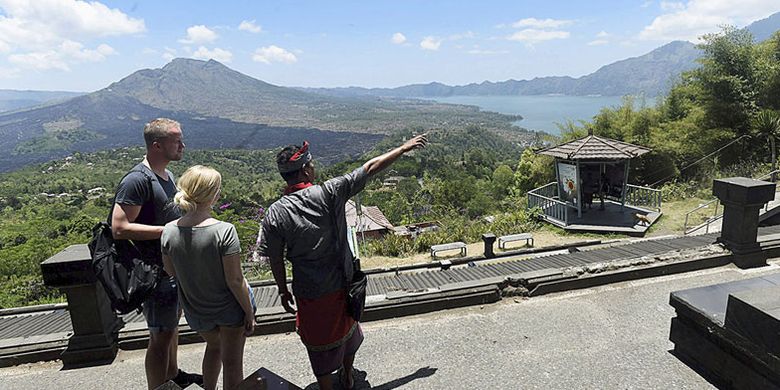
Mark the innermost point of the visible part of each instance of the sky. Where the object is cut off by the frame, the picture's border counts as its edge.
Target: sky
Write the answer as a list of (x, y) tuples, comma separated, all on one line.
[(74, 45)]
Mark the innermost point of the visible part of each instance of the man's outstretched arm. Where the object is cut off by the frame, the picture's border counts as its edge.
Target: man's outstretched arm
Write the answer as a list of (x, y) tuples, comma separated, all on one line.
[(379, 163)]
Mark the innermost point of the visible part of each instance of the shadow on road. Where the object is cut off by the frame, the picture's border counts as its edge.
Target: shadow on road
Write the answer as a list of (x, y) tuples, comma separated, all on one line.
[(361, 381)]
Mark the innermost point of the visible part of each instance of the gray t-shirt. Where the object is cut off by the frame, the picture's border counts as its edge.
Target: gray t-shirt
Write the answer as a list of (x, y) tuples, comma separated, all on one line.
[(310, 225), (197, 254), (156, 201)]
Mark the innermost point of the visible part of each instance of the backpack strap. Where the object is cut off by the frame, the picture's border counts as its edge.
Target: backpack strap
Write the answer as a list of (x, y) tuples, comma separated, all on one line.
[(149, 178)]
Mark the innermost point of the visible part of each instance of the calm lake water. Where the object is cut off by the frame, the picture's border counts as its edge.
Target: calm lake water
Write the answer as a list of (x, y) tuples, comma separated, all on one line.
[(540, 112)]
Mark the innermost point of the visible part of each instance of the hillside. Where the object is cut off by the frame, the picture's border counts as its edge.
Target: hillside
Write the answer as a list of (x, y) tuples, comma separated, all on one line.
[(46, 207), (222, 108)]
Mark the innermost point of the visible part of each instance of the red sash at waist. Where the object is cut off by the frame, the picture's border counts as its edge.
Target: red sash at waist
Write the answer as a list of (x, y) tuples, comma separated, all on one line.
[(323, 323)]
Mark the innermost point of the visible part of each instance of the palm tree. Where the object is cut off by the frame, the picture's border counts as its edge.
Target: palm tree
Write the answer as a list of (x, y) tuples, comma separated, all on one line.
[(767, 124)]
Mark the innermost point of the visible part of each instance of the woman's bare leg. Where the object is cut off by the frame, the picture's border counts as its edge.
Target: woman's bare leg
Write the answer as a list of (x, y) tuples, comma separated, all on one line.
[(212, 358), (232, 340)]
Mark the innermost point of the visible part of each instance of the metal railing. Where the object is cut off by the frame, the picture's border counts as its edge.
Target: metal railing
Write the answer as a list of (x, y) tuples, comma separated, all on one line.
[(707, 222), (773, 175), (643, 196), (544, 198)]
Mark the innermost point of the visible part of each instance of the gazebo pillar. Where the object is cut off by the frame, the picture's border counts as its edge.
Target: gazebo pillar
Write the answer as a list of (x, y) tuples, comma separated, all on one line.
[(578, 177), (625, 185)]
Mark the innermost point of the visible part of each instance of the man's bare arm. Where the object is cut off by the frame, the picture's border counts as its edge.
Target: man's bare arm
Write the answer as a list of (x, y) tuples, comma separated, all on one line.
[(123, 226), (379, 163), (280, 276)]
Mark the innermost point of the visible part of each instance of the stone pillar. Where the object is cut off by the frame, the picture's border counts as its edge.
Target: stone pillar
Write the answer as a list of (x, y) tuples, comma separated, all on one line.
[(742, 198), (95, 325), (489, 239)]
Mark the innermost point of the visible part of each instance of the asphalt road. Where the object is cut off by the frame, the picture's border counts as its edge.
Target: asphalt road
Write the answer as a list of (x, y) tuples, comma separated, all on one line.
[(610, 337)]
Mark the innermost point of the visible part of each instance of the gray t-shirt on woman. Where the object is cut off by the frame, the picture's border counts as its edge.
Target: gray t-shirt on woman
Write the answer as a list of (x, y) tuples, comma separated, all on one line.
[(197, 254)]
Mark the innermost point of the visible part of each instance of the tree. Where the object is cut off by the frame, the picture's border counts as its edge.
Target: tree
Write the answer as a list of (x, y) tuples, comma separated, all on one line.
[(729, 77), (767, 124), (532, 171), (503, 181)]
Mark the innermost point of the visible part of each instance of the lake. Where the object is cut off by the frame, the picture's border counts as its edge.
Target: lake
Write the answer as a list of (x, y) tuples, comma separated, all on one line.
[(540, 112)]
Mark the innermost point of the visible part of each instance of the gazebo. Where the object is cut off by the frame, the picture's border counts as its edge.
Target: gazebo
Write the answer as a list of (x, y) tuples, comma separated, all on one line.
[(596, 168)]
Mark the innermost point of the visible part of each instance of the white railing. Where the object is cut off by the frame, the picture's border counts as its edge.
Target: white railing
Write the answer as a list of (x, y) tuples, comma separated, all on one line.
[(545, 198), (773, 175), (643, 196), (707, 222)]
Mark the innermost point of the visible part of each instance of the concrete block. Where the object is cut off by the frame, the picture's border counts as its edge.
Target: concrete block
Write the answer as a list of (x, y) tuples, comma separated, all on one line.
[(754, 315)]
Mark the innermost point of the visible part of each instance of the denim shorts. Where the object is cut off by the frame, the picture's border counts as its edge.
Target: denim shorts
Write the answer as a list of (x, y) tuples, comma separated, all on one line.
[(161, 308), (230, 318)]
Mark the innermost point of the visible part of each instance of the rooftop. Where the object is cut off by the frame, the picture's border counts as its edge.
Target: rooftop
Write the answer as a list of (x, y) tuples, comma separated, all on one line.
[(594, 147)]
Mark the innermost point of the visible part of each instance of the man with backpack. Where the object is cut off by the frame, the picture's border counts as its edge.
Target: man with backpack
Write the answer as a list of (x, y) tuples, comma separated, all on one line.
[(143, 205)]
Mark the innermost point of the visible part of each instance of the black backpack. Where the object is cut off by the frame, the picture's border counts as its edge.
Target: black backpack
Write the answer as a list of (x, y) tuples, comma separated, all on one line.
[(126, 277)]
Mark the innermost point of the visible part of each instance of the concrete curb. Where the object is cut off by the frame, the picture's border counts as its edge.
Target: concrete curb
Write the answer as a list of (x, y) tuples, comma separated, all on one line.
[(454, 295)]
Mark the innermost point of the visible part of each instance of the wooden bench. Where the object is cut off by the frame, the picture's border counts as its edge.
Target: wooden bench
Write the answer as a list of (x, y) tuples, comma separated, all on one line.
[(503, 240), (447, 247)]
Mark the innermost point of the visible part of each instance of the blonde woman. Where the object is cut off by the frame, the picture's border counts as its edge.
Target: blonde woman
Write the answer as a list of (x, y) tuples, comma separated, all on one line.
[(204, 255)]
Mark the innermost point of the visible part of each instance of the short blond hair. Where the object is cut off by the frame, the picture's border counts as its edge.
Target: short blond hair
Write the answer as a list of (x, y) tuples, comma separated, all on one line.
[(198, 185), (157, 129)]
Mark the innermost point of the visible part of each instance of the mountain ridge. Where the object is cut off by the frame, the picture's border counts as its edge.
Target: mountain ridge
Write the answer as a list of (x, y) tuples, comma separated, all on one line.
[(651, 74), (223, 108)]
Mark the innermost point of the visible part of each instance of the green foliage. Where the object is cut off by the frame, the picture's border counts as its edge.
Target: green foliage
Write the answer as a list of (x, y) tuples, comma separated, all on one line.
[(57, 140), (453, 227), (47, 207), (533, 170)]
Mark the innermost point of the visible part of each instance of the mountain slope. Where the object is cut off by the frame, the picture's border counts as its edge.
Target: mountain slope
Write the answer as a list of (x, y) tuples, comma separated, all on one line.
[(764, 28), (222, 108)]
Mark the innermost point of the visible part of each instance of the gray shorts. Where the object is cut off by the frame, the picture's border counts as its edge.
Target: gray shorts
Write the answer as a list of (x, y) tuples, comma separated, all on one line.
[(231, 318), (161, 308)]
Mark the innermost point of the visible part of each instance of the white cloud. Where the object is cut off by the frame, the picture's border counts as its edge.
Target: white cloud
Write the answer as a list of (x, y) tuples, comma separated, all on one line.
[(672, 6), (465, 35), (169, 54), (250, 26), (217, 54), (601, 39), (486, 52), (67, 53), (31, 23), (646, 4), (269, 54), (598, 42), (532, 36), (398, 38), (45, 24), (541, 23), (199, 34), (697, 17), (430, 43), (48, 34)]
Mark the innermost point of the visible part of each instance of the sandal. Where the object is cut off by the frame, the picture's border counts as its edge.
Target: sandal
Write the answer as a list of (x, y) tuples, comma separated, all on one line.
[(345, 379)]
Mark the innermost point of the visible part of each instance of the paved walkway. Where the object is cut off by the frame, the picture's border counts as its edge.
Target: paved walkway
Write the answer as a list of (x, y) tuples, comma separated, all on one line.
[(607, 337)]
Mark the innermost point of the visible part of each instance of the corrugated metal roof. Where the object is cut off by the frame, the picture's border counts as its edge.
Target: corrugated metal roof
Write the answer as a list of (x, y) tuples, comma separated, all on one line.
[(372, 219), (594, 147)]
